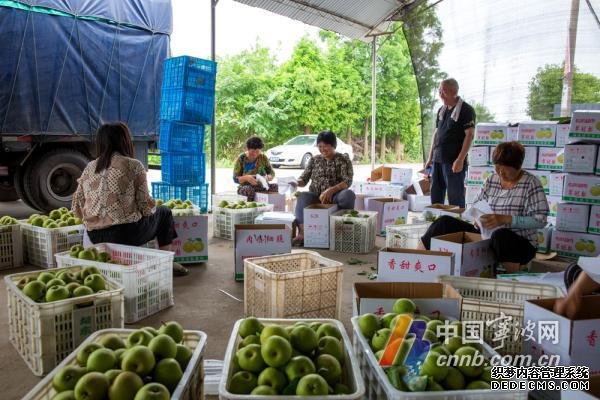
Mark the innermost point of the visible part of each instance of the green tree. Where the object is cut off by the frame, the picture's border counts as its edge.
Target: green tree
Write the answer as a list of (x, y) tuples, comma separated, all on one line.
[(545, 90), (482, 114)]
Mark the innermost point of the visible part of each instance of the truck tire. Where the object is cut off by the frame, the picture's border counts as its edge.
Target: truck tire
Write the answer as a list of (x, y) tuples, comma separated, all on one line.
[(19, 182), (7, 190), (53, 178)]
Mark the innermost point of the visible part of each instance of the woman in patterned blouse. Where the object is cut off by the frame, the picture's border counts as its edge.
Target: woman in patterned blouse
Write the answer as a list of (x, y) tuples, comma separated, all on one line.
[(331, 175), (112, 197), (520, 208), (249, 164)]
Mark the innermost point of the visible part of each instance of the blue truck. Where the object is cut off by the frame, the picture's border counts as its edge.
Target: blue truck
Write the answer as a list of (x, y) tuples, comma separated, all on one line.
[(67, 66)]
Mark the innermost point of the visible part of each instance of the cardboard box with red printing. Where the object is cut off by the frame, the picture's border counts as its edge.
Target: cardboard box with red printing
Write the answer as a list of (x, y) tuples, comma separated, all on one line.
[(402, 176), (316, 225), (383, 190), (575, 244), (191, 244), (472, 255), (572, 217), (404, 265), (562, 134), (594, 223), (597, 168), (434, 300), (580, 158), (275, 198), (390, 211), (553, 207), (585, 125), (513, 133), (550, 158), (544, 177), (258, 241), (537, 133), (479, 156), (544, 236), (381, 173), (576, 341), (418, 196), (476, 176), (471, 193), (583, 189), (490, 134), (359, 202), (557, 181)]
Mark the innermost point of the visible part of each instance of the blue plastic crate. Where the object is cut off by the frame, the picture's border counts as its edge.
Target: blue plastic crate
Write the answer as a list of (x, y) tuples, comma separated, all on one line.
[(187, 105), (189, 72), (183, 168), (197, 194), (181, 137)]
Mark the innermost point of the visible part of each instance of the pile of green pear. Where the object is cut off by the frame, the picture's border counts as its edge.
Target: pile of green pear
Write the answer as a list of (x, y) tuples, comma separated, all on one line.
[(48, 286), (301, 359), (432, 377), (148, 365), (90, 254), (58, 218), (6, 220), (175, 204), (354, 214), (240, 204)]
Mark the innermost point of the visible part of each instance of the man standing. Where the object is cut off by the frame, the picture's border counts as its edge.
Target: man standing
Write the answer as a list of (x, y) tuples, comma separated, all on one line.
[(455, 126)]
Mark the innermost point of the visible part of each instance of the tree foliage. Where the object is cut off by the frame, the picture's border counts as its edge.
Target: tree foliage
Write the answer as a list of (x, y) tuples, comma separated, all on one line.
[(545, 90), (482, 114)]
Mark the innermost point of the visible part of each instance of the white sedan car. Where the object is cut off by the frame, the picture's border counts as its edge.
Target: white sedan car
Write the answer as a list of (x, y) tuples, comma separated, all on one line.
[(299, 150)]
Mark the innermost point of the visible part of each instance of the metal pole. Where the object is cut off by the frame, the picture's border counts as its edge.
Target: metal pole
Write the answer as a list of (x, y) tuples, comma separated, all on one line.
[(213, 131), (567, 90), (373, 99)]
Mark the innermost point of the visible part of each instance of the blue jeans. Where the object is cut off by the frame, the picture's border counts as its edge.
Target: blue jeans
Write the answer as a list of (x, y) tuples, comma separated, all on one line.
[(444, 180)]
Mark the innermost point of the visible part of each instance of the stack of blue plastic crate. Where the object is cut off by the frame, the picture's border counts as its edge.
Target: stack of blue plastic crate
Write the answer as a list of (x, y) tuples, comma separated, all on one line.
[(186, 108)]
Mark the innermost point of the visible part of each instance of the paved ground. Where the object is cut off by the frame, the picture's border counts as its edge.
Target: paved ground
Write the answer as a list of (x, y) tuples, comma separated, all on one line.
[(198, 302)]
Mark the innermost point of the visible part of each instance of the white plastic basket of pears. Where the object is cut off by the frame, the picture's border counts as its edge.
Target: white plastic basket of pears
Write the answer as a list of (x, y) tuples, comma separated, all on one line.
[(424, 374), (179, 208)]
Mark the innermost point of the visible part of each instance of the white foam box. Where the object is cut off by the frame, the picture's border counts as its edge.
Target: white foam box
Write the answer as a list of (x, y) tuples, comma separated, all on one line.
[(550, 158), (537, 133), (257, 241), (574, 339), (562, 134), (544, 177), (572, 217), (402, 176), (472, 254), (390, 211), (191, 244), (580, 158), (574, 244), (418, 202), (585, 125), (316, 225), (476, 176), (471, 193), (582, 189), (270, 218), (594, 223), (431, 299), (275, 198), (490, 134), (405, 265), (544, 236), (557, 181), (479, 156)]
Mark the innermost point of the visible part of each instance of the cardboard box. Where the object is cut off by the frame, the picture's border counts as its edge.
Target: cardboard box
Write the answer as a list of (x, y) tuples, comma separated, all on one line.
[(359, 202), (531, 158), (402, 176), (562, 134), (537, 133), (553, 204), (557, 181), (544, 177), (358, 187), (476, 176), (444, 209), (572, 217), (405, 265), (381, 173), (258, 241), (544, 236), (316, 225), (378, 189), (513, 133), (472, 255), (417, 202), (585, 125), (490, 134), (479, 156), (550, 158), (574, 244), (576, 341), (597, 169), (275, 217), (582, 189), (580, 158), (471, 193), (390, 211), (594, 223), (592, 394), (191, 244), (431, 299), (278, 200)]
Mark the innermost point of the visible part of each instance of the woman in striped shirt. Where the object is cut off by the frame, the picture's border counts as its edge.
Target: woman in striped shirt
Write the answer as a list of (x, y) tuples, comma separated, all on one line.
[(519, 209)]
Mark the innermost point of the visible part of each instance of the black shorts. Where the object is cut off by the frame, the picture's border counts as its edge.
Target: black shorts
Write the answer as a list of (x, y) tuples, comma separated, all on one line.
[(158, 225)]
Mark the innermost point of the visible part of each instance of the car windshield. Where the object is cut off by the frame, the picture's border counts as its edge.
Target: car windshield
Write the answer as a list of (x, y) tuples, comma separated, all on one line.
[(302, 140)]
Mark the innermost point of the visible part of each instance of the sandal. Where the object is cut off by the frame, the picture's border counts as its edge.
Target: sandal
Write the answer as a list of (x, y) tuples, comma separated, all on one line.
[(179, 270)]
